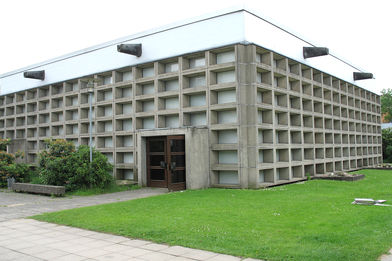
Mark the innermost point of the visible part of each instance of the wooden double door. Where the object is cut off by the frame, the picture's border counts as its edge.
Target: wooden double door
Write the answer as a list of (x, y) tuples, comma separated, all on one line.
[(166, 162)]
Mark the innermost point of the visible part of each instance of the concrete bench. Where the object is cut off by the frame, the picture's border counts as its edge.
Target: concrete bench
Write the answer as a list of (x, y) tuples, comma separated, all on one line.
[(39, 189)]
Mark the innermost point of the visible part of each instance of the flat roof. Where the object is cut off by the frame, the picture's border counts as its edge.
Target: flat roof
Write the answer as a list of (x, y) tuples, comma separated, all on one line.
[(221, 28)]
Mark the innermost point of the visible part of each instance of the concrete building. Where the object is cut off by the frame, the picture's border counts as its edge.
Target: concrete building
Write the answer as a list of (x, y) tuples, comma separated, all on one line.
[(225, 100)]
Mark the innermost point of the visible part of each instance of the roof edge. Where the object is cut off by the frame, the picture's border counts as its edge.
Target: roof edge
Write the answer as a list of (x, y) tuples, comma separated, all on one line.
[(131, 37)]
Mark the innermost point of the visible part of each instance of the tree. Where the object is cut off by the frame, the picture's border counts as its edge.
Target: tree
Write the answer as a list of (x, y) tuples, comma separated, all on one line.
[(386, 104)]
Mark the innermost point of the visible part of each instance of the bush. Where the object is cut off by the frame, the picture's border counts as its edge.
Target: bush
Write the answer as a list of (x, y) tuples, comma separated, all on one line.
[(21, 172), (63, 165), (4, 143), (387, 145)]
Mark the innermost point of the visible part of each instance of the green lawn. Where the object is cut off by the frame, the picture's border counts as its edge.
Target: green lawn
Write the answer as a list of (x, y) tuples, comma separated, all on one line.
[(314, 220)]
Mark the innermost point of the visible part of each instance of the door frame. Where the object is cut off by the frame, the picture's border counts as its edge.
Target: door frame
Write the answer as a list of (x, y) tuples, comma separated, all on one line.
[(156, 183), (168, 165), (179, 185), (197, 171), (169, 168)]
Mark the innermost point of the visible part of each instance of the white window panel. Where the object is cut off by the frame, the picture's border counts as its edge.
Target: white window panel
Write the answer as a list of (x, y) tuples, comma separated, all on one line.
[(75, 129), (107, 79), (225, 57), (127, 141), (127, 76), (261, 176), (261, 156), (227, 116), (127, 125), (171, 67), (227, 157), (259, 77), (258, 57), (148, 106), (108, 126), (128, 174), (259, 97), (128, 157), (171, 103), (127, 108), (127, 92), (276, 81), (75, 86), (148, 72), (172, 121), (197, 100), (148, 123), (227, 137), (197, 81), (108, 111), (259, 116), (171, 85), (74, 101), (228, 177), (75, 115), (108, 95), (197, 119), (108, 142), (197, 62), (148, 88), (227, 96), (225, 77)]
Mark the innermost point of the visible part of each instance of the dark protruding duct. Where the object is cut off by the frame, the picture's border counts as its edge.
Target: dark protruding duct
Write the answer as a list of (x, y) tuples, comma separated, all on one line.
[(362, 76), (315, 51), (38, 75), (133, 49)]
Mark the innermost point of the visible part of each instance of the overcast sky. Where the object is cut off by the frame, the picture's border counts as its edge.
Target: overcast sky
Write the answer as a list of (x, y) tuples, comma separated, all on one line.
[(34, 31)]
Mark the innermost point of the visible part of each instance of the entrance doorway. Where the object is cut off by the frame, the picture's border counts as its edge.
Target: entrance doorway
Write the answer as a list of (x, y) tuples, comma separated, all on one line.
[(166, 162)]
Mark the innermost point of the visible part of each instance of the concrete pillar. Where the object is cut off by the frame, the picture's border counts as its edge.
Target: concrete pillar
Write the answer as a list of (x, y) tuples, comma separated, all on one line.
[(246, 75)]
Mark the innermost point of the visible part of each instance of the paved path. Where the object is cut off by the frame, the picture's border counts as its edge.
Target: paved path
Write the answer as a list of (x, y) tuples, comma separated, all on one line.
[(387, 257), (18, 205), (31, 240)]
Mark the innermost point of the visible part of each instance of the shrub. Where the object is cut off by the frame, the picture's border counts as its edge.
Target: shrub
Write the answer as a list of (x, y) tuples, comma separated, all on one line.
[(4, 143), (387, 144), (9, 169), (63, 165)]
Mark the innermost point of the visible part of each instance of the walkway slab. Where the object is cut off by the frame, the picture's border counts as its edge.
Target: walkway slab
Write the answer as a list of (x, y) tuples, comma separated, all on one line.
[(78, 244), (19, 205), (28, 239)]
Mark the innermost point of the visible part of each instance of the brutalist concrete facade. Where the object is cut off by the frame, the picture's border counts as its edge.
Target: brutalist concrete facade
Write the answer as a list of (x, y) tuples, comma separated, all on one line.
[(251, 117)]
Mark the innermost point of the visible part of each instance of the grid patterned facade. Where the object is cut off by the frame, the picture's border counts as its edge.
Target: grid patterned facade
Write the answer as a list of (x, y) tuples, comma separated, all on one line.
[(270, 119)]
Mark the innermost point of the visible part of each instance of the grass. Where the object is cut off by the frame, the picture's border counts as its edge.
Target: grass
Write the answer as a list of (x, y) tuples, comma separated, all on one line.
[(96, 191), (310, 221)]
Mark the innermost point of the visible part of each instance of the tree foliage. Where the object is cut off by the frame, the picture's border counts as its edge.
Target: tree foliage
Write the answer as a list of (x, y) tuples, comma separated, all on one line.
[(387, 144), (386, 104), (21, 172), (64, 165)]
